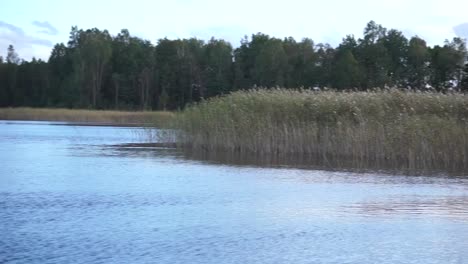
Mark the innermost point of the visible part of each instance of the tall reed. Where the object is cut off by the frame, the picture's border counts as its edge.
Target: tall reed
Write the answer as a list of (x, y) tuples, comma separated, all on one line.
[(404, 130)]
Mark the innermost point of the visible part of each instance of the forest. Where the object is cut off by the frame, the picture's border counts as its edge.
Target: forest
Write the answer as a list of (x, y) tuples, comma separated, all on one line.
[(96, 70)]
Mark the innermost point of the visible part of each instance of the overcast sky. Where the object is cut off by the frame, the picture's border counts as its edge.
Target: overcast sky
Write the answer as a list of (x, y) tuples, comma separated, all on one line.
[(34, 26)]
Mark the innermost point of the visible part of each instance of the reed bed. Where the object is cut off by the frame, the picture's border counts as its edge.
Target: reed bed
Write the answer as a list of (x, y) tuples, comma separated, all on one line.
[(87, 116), (386, 128)]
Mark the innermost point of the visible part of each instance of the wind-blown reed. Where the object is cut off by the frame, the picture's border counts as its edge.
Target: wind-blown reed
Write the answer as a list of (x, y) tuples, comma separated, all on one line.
[(404, 130)]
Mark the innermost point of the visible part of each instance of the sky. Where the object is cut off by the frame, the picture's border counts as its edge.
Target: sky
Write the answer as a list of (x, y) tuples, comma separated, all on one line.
[(34, 26)]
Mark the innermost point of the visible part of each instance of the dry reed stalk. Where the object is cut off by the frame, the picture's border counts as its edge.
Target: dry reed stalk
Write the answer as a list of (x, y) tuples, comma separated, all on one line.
[(411, 130)]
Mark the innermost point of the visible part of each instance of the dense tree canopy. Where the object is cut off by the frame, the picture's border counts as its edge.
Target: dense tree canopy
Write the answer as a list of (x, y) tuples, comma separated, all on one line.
[(97, 70)]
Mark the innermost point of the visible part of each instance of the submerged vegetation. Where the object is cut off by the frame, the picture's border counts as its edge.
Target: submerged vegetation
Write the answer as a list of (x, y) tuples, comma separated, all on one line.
[(89, 116), (403, 130)]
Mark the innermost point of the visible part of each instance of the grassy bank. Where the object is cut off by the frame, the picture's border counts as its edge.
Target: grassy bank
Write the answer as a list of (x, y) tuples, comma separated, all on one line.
[(401, 130), (87, 116)]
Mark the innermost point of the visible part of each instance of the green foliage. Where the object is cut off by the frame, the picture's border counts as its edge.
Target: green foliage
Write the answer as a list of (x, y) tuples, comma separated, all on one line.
[(12, 56), (447, 64), (217, 70), (97, 70), (464, 84), (397, 50), (95, 52), (346, 70), (374, 56), (418, 55)]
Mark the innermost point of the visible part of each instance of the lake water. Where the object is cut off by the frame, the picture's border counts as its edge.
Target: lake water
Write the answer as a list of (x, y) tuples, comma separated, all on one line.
[(68, 195)]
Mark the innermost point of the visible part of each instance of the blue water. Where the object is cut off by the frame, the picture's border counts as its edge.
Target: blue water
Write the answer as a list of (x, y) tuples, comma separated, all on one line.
[(68, 195)]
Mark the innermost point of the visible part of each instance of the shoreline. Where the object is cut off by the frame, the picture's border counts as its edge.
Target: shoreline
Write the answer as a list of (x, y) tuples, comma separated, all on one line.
[(85, 117), (66, 123)]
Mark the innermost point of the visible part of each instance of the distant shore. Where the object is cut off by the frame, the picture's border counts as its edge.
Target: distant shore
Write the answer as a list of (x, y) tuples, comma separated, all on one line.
[(88, 117)]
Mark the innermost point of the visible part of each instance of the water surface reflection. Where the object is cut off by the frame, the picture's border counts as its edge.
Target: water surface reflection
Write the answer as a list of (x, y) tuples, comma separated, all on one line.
[(72, 194)]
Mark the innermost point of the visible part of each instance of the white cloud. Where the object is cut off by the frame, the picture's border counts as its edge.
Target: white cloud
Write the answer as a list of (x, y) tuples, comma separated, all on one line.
[(25, 44), (47, 28), (461, 30), (322, 21)]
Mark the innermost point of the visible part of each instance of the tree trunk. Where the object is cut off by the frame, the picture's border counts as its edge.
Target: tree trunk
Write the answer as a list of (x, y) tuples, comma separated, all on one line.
[(116, 102)]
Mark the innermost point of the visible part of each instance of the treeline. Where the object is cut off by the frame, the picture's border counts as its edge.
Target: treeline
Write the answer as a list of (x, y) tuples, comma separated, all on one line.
[(97, 70)]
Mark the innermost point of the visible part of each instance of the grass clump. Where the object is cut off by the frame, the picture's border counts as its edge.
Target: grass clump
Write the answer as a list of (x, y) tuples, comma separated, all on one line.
[(404, 130), (87, 116)]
